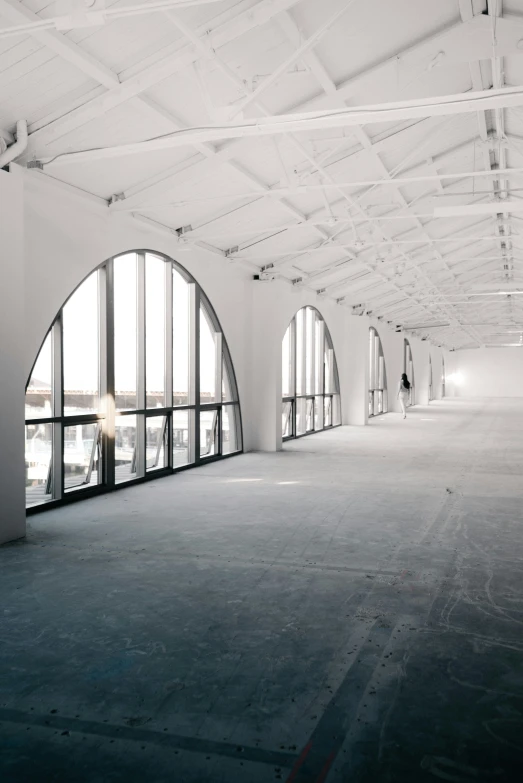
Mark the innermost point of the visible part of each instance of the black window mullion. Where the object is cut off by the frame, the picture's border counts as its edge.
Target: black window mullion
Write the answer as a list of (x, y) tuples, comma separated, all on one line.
[(107, 377), (141, 380), (195, 368), (57, 385)]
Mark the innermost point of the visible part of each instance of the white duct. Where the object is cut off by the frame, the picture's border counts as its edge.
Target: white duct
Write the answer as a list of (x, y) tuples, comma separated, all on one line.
[(19, 146)]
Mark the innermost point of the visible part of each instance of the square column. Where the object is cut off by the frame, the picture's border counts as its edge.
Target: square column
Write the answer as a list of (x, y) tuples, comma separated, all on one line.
[(12, 380)]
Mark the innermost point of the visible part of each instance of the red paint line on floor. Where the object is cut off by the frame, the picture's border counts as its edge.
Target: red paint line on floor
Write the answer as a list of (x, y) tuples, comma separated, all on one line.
[(323, 774), (303, 755)]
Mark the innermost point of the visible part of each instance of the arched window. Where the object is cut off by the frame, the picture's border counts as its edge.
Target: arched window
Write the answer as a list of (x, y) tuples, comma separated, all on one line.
[(378, 402), (431, 388), (442, 377), (310, 385), (408, 367), (133, 380)]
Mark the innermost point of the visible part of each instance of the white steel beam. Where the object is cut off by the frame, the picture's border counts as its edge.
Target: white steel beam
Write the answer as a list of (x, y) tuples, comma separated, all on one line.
[(311, 59), (294, 123), (305, 47), (396, 182), (95, 18), (58, 43), (180, 56)]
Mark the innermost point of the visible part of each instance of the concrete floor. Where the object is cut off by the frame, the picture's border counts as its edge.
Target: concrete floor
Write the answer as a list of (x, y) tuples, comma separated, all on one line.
[(348, 610)]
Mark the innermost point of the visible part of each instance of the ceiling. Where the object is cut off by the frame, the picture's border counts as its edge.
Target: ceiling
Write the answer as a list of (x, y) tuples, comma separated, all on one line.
[(307, 141)]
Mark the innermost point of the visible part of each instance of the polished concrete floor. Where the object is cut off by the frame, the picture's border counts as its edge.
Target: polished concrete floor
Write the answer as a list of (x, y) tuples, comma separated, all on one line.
[(347, 611)]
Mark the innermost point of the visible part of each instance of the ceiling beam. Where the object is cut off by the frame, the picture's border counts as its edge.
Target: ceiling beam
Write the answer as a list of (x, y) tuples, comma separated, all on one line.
[(294, 123), (179, 56), (17, 13)]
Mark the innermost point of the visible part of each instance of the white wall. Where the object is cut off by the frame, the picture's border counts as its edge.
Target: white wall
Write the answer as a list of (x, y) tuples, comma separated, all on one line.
[(12, 375), (67, 236), (485, 372)]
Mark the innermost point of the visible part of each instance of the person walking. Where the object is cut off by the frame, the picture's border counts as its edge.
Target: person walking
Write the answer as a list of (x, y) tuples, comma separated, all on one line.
[(403, 394)]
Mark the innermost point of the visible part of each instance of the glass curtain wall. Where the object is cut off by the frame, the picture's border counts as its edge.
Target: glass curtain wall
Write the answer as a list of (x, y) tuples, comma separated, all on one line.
[(408, 367), (442, 377), (310, 384), (134, 379), (378, 399), (431, 385)]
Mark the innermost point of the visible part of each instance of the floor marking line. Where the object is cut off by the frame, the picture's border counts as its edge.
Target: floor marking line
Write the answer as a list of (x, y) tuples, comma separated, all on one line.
[(326, 768), (303, 755), (138, 734), (343, 707)]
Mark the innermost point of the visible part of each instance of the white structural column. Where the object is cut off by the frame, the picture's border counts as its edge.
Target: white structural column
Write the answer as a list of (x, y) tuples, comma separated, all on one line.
[(12, 494), (266, 381), (353, 367)]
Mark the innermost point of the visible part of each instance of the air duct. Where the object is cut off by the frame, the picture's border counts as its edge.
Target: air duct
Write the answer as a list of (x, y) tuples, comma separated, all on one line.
[(19, 146)]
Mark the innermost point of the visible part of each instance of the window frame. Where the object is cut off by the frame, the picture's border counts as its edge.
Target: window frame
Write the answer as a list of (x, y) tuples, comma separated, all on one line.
[(377, 405), (408, 368), (107, 414), (309, 373)]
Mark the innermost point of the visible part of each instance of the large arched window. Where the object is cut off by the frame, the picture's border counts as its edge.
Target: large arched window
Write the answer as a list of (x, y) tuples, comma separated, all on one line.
[(378, 402), (431, 384), (133, 380), (310, 384), (408, 367)]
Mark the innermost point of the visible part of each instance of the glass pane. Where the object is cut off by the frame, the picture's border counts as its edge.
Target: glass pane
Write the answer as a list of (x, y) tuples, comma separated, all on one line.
[(155, 442), (82, 456), (300, 416), (207, 359), (286, 419), (155, 331), (329, 370), (371, 403), (319, 347), (309, 349), (371, 359), (227, 395), (286, 363), (229, 439), (181, 439), (328, 412), (208, 433), (300, 350), (125, 325), (336, 410), (309, 415), (38, 395), (125, 448), (381, 373), (181, 342), (318, 413), (377, 359), (38, 461), (80, 349), (385, 401), (380, 402)]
